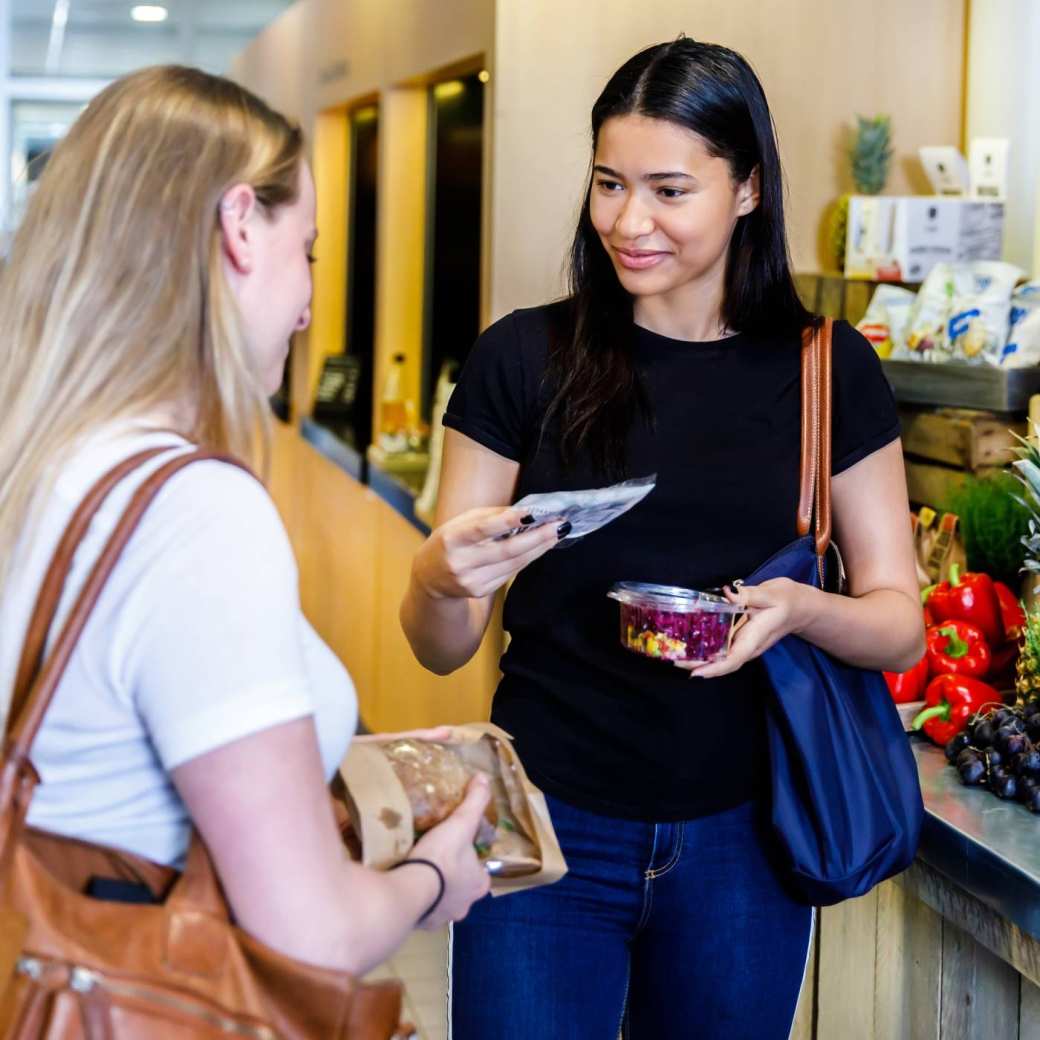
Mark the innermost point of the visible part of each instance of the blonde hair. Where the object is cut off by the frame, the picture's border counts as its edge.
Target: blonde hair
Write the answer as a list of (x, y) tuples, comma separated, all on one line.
[(114, 300)]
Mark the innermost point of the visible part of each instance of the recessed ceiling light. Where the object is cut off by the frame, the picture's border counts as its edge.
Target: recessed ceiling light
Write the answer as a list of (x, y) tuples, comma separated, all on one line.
[(451, 88), (148, 13)]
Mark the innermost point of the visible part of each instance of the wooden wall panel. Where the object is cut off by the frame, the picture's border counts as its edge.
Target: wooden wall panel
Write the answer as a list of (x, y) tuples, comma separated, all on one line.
[(979, 991), (864, 58), (409, 696), (332, 523), (908, 966), (1029, 1011), (845, 993), (802, 1027), (990, 928), (327, 334), (354, 555)]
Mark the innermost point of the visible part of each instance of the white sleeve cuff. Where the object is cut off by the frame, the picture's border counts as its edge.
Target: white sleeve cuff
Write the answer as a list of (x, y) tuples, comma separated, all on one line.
[(231, 717)]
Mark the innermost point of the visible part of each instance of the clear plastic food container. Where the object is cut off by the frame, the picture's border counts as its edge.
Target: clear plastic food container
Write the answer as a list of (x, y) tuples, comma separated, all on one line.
[(674, 624)]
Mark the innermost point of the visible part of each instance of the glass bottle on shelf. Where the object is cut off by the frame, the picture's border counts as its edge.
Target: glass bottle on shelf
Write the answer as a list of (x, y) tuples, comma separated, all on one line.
[(393, 417)]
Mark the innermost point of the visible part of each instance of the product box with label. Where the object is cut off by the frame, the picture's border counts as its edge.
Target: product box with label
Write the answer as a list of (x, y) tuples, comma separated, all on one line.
[(896, 238)]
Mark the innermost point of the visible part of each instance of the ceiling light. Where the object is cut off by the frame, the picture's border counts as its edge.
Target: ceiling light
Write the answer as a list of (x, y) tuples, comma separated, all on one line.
[(452, 88), (148, 13), (483, 75)]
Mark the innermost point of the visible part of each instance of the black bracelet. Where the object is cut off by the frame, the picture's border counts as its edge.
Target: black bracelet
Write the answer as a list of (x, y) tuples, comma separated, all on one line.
[(440, 879)]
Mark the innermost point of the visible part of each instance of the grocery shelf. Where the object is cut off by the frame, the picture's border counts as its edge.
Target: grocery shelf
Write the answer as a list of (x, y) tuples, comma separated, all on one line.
[(962, 386)]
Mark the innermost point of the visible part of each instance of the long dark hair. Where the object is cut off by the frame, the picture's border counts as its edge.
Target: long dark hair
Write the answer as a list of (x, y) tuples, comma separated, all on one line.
[(711, 90)]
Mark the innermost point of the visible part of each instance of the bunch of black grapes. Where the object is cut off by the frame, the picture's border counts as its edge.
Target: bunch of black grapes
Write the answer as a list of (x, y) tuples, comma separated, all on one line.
[(1000, 750)]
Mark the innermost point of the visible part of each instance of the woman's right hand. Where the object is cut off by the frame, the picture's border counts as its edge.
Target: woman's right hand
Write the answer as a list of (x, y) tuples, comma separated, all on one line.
[(450, 846), (462, 559)]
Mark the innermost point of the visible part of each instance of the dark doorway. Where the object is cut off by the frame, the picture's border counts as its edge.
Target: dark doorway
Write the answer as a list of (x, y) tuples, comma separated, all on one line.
[(361, 265), (452, 294)]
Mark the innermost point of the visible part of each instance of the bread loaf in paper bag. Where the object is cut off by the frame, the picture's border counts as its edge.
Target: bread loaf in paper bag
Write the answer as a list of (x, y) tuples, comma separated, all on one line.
[(397, 789)]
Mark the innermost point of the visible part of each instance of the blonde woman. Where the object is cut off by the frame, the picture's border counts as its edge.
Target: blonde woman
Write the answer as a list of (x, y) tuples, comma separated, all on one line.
[(149, 298)]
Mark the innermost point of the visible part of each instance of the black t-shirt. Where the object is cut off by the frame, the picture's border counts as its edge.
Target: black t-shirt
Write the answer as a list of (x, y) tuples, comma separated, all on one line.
[(595, 724)]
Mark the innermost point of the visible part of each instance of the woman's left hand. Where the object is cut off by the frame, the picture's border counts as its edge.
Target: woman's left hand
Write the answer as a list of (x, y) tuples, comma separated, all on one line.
[(775, 608)]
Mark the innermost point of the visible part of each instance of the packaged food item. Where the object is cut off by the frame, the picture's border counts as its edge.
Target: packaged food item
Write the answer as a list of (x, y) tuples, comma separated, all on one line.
[(988, 159), (587, 511), (901, 238), (1022, 349), (937, 546), (674, 624), (945, 168), (397, 789), (962, 312), (885, 320)]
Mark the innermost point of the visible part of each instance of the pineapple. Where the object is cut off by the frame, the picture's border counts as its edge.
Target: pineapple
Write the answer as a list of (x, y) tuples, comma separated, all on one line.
[(1027, 469), (870, 155), (1027, 667)]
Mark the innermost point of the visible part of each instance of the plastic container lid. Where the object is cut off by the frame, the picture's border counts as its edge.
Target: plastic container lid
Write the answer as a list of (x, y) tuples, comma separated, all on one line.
[(671, 597)]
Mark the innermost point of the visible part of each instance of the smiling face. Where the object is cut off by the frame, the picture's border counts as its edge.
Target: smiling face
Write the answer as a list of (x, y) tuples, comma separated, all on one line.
[(267, 262), (664, 208)]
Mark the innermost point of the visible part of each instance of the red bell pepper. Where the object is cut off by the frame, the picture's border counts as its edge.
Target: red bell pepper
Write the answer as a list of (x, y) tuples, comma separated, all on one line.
[(950, 701), (1001, 672), (908, 686), (929, 617), (1011, 612), (957, 648), (968, 597)]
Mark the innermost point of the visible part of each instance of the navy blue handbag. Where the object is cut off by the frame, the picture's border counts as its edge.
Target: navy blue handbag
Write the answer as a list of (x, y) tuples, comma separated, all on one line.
[(846, 799)]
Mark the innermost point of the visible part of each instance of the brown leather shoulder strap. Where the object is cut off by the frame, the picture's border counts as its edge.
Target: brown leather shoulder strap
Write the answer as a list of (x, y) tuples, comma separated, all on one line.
[(814, 497), (810, 403), (49, 596), (824, 340), (23, 728)]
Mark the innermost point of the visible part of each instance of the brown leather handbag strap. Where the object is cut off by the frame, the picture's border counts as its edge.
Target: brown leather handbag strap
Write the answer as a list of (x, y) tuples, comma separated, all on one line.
[(22, 729), (49, 596), (824, 340), (814, 498), (198, 886), (810, 401)]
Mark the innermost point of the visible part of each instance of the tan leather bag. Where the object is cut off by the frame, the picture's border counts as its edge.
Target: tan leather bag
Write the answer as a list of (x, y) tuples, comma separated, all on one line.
[(74, 967)]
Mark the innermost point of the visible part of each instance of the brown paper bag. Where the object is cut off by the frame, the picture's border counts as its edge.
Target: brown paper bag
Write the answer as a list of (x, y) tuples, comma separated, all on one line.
[(381, 814)]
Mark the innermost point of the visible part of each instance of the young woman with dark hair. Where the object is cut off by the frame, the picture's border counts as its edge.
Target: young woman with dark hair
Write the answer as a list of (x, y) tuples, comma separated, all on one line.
[(677, 352)]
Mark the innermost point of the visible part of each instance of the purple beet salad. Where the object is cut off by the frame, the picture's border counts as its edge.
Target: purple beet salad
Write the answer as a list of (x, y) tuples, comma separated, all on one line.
[(674, 624)]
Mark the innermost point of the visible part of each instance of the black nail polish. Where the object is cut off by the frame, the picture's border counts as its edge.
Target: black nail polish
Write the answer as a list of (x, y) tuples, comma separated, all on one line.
[(564, 529), (526, 521)]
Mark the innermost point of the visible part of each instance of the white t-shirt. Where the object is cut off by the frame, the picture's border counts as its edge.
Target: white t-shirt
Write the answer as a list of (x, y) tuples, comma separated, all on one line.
[(197, 640)]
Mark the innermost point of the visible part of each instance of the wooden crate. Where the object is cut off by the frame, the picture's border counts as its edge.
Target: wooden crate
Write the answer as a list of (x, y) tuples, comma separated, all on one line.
[(944, 446), (835, 296), (961, 437)]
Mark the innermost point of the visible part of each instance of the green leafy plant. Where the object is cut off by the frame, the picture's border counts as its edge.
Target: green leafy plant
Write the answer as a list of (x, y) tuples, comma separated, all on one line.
[(994, 522)]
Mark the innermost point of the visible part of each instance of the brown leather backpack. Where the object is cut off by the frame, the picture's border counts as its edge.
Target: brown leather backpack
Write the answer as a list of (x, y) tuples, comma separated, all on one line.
[(72, 966)]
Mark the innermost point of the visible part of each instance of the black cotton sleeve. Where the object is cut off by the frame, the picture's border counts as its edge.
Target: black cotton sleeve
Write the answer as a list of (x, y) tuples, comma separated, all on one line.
[(489, 403), (864, 410)]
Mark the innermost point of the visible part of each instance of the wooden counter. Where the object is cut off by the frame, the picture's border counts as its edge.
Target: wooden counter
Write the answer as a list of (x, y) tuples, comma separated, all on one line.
[(354, 551), (949, 950)]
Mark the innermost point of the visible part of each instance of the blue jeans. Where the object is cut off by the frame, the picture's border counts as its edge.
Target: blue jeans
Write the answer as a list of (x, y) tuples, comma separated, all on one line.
[(659, 930)]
